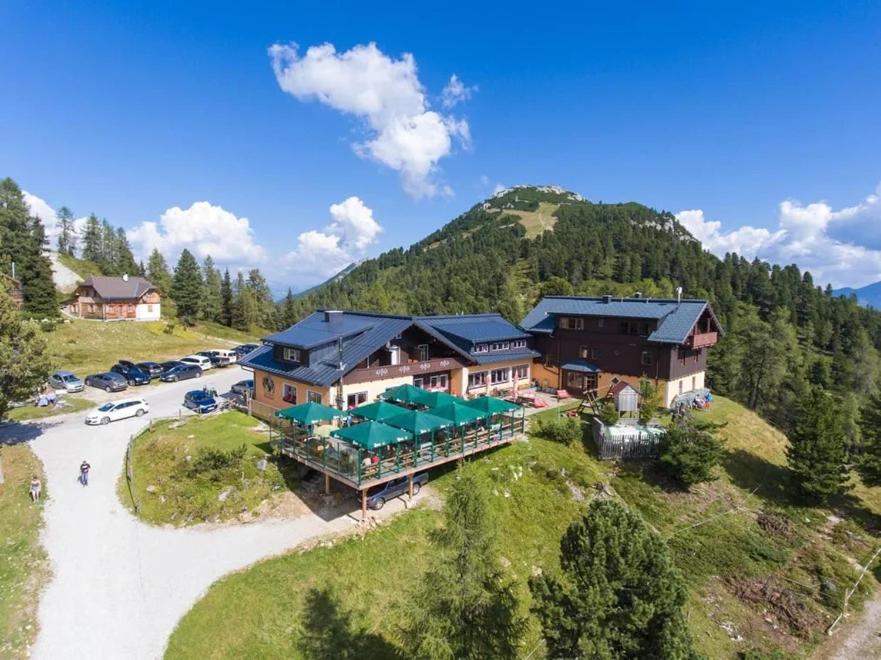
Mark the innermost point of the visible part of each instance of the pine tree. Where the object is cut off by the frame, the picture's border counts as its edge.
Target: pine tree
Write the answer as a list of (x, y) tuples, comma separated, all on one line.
[(465, 607), (689, 451), (289, 311), (226, 299), (123, 260), (618, 594), (262, 295), (24, 361), (818, 448), (66, 235), (869, 464), (649, 400), (186, 288), (157, 272), (22, 242), (244, 307), (211, 297), (108, 249), (92, 240)]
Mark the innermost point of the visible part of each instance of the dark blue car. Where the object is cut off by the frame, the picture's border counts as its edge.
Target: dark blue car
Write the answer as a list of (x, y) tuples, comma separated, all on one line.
[(180, 372), (132, 374), (379, 495), (200, 401)]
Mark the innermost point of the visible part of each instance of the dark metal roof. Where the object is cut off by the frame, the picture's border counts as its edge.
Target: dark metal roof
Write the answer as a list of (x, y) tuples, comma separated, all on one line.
[(581, 365), (475, 328), (675, 318), (117, 288), (504, 356), (323, 328), (325, 373)]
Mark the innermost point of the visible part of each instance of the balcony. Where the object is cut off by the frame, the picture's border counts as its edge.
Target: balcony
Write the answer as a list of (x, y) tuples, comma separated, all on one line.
[(398, 370), (703, 339)]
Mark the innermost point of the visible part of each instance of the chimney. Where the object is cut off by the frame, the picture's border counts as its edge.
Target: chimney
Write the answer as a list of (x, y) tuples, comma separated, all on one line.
[(331, 316), (125, 277), (678, 294), (607, 299)]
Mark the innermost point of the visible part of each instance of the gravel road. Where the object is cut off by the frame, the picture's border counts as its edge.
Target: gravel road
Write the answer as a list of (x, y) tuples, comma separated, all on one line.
[(119, 586)]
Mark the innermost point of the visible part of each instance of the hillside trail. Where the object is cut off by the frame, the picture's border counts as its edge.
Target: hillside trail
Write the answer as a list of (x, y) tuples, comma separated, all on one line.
[(860, 638), (65, 279)]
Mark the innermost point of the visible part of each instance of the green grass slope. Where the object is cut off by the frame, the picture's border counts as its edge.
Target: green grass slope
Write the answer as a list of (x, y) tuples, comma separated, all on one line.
[(762, 573), (86, 347)]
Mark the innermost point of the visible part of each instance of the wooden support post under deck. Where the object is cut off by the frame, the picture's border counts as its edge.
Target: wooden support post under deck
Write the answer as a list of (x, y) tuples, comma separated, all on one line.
[(326, 484), (410, 486), (364, 505)]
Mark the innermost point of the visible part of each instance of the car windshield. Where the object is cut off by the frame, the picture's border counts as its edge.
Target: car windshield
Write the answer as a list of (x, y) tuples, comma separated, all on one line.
[(68, 378), (106, 407)]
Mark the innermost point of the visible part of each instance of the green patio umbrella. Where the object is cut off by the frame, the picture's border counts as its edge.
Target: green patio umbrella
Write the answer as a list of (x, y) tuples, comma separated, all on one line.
[(437, 399), (459, 414), (491, 405), (309, 413), (405, 393), (418, 422), (372, 435), (378, 411)]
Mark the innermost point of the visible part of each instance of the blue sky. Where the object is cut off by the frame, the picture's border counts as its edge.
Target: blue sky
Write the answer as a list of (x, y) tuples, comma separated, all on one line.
[(764, 119)]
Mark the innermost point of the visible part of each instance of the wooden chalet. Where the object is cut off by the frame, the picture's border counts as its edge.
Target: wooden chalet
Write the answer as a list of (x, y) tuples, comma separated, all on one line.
[(589, 344), (115, 299)]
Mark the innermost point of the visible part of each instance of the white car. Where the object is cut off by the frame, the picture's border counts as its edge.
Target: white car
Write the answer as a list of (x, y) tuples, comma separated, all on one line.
[(197, 360), (115, 410)]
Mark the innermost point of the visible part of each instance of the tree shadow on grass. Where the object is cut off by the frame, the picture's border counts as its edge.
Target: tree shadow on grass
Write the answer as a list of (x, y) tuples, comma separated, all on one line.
[(330, 631)]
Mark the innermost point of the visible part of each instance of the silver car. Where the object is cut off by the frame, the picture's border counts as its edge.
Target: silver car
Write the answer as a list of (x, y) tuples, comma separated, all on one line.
[(66, 381)]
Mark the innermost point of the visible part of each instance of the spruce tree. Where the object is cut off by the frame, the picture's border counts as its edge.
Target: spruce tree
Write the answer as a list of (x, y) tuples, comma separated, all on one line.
[(91, 242), (466, 607), (157, 272), (226, 299), (262, 295), (211, 297), (186, 288), (24, 361), (244, 307), (289, 311), (123, 260), (869, 464), (66, 234), (818, 448), (618, 594)]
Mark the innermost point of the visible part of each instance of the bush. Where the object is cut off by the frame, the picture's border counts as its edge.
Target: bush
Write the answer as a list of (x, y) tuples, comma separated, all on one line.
[(649, 401), (560, 429), (212, 463), (609, 413)]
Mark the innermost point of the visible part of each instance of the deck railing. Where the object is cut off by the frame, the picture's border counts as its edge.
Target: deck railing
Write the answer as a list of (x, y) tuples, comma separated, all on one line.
[(346, 462)]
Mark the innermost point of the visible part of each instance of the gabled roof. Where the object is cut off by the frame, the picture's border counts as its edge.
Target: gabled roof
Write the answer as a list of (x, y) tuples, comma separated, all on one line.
[(675, 318), (118, 288), (326, 373), (462, 332), (325, 327)]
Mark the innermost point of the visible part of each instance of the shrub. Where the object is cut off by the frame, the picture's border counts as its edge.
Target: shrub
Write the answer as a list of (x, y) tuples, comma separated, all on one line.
[(609, 413), (560, 429), (649, 400), (211, 463)]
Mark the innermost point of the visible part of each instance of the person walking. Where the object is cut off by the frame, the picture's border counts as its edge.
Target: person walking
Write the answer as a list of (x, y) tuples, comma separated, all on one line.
[(84, 473), (36, 488)]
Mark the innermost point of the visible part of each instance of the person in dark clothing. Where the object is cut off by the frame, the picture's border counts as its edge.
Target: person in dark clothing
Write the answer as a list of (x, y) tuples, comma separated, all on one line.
[(84, 473)]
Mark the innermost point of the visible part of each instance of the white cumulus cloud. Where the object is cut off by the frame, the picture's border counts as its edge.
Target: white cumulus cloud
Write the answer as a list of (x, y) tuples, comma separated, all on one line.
[(327, 251), (47, 215), (203, 229), (403, 133), (842, 247)]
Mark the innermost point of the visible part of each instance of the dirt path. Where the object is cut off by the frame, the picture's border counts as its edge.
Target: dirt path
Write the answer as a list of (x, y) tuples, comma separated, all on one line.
[(859, 638), (120, 586)]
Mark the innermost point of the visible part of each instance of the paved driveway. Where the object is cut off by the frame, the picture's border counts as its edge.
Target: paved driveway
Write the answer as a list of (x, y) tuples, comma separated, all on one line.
[(119, 586)]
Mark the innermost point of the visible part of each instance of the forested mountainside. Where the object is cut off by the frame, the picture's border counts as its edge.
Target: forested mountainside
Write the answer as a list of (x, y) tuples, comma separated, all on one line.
[(784, 332)]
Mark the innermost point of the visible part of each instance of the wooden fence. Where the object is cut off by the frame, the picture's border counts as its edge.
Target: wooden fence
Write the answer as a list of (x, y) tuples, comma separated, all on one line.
[(634, 444)]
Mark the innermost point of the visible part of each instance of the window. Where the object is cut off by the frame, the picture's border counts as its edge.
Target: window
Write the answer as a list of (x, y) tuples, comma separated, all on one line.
[(291, 354), (644, 329), (438, 382), (313, 397), (149, 309), (423, 353), (571, 323), (518, 343), (521, 372), (356, 399), (477, 379), (289, 393), (481, 348), (628, 328), (500, 376), (574, 380), (417, 382), (500, 346), (646, 359), (268, 386), (594, 353), (583, 352)]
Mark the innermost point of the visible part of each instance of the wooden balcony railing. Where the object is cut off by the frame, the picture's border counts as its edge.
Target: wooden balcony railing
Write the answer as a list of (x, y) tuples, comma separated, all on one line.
[(406, 369), (704, 339)]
